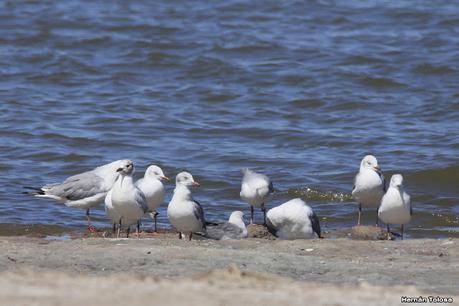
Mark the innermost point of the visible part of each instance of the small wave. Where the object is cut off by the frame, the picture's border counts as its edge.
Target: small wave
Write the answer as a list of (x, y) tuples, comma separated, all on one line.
[(444, 181), (363, 60), (311, 194), (427, 68), (380, 82)]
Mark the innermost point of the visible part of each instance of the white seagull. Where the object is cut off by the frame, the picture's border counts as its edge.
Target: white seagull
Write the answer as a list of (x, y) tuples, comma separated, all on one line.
[(127, 200), (233, 229), (185, 214), (110, 211), (369, 185), (256, 190), (293, 220), (85, 190), (153, 189), (395, 205)]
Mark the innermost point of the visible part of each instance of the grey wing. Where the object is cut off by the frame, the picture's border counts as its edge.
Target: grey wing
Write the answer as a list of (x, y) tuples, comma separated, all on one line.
[(141, 200), (224, 230), (199, 213), (315, 224), (78, 187)]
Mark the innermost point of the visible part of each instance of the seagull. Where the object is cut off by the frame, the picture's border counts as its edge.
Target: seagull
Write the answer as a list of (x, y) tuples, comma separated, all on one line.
[(128, 201), (293, 220), (85, 190), (395, 205), (256, 190), (369, 185), (153, 189), (184, 213), (233, 229)]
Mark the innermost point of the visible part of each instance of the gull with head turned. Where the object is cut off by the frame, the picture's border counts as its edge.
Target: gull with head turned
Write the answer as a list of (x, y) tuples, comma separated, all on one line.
[(152, 187), (185, 214), (396, 204), (234, 228), (369, 185)]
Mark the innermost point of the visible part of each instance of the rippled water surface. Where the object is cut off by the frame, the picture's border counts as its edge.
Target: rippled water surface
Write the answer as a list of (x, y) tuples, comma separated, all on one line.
[(299, 91)]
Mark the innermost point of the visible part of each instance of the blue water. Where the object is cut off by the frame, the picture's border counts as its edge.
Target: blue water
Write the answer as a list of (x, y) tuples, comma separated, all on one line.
[(299, 91)]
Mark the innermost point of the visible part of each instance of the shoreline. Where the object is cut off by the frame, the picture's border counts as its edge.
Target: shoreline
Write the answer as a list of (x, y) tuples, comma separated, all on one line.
[(423, 266)]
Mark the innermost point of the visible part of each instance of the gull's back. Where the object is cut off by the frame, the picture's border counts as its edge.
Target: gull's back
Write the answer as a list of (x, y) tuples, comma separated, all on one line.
[(255, 187)]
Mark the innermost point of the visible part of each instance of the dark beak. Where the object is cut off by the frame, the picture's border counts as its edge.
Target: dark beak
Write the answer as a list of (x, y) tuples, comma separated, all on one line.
[(119, 169), (196, 184)]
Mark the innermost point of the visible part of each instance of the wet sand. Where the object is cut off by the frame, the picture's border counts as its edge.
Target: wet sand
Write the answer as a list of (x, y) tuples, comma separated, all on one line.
[(160, 266)]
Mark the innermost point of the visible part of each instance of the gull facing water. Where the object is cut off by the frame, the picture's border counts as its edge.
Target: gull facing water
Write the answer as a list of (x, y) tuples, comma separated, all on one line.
[(185, 214), (233, 229), (395, 205), (369, 185), (256, 190), (152, 187), (293, 220), (127, 200), (85, 190)]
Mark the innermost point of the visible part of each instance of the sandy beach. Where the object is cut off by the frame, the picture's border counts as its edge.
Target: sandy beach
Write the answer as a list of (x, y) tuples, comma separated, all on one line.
[(169, 271)]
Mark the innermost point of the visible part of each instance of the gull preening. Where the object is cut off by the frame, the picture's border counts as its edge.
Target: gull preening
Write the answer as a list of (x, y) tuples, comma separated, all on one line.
[(152, 187), (127, 200), (293, 220), (369, 185), (85, 190), (233, 229), (395, 205), (185, 214), (256, 190)]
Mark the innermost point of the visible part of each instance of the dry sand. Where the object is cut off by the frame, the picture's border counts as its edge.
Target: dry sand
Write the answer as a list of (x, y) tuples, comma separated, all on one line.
[(163, 270)]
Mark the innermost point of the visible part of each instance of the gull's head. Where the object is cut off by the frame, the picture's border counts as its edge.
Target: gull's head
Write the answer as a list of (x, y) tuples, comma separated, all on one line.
[(396, 181), (185, 179), (236, 215), (125, 167), (370, 162), (156, 172)]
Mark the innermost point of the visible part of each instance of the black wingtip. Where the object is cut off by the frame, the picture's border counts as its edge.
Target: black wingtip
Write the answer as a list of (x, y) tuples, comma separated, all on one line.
[(315, 224), (36, 191), (271, 187)]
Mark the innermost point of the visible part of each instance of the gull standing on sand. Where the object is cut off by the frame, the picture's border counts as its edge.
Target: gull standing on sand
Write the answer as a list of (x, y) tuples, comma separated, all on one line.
[(85, 190), (369, 185), (127, 200), (233, 229), (185, 214), (293, 220), (395, 205), (153, 189), (256, 190)]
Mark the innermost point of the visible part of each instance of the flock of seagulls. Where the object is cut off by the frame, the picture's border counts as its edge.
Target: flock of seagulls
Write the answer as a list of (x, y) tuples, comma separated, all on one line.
[(127, 201)]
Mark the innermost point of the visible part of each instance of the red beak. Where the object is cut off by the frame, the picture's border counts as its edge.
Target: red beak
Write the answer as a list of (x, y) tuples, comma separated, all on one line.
[(196, 184), (165, 178)]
